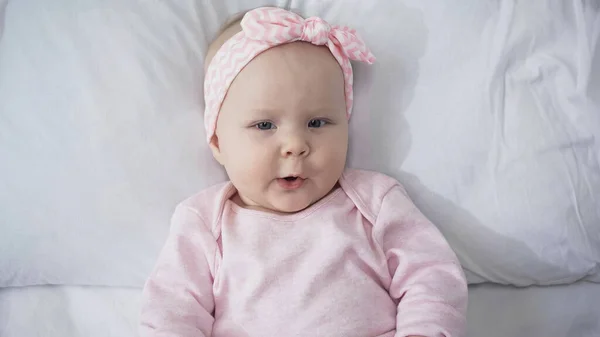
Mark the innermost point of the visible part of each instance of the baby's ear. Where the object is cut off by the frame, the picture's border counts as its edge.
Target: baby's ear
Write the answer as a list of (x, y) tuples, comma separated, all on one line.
[(214, 147)]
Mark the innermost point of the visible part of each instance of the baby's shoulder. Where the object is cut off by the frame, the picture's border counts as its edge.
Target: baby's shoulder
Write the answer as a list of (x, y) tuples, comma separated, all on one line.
[(371, 183), (368, 189), (206, 205), (207, 195)]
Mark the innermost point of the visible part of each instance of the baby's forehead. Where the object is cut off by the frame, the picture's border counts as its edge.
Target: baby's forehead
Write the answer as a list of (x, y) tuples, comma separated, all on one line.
[(305, 82)]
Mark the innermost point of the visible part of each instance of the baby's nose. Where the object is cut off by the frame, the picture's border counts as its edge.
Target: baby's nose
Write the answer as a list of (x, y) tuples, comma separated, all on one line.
[(295, 146)]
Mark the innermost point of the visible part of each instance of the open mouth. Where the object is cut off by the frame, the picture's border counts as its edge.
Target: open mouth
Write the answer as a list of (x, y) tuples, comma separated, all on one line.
[(290, 182)]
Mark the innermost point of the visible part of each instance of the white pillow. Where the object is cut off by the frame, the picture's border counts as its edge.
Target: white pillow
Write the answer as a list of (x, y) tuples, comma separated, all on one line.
[(100, 136), (485, 113), (482, 111)]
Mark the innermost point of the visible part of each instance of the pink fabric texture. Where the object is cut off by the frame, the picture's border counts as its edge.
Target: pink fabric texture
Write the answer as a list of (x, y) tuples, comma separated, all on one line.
[(268, 27), (361, 262)]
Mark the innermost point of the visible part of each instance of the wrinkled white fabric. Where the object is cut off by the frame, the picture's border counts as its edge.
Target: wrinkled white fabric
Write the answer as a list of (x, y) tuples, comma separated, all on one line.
[(487, 112)]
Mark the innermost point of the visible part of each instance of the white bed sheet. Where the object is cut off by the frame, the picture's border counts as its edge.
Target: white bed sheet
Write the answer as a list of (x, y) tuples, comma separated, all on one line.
[(494, 311)]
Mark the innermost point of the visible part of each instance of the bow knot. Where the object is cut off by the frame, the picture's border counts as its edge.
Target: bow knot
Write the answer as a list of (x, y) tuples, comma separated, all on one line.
[(316, 31)]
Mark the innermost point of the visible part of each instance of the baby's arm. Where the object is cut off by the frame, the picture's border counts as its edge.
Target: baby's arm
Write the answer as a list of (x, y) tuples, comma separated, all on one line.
[(427, 279), (177, 298)]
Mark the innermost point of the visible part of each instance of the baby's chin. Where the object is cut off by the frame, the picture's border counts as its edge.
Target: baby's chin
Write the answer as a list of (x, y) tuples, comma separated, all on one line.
[(278, 206), (289, 207), (289, 204)]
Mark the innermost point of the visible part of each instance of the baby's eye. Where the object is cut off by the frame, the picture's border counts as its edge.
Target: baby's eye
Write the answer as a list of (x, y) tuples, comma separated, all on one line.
[(316, 123), (265, 126)]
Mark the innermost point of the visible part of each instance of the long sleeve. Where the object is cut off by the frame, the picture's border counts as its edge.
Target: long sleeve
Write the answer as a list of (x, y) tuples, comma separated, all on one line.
[(427, 279), (177, 300)]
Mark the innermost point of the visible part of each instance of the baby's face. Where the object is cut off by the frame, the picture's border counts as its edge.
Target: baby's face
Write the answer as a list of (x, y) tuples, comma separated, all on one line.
[(282, 132)]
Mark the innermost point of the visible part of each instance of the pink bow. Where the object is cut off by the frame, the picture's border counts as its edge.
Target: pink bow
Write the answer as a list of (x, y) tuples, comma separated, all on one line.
[(279, 26), (265, 28)]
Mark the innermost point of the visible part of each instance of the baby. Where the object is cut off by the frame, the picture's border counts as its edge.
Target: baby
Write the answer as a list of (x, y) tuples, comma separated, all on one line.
[(295, 244)]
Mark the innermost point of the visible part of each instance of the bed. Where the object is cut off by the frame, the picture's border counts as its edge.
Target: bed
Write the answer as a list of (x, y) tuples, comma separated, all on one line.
[(494, 311), (487, 111)]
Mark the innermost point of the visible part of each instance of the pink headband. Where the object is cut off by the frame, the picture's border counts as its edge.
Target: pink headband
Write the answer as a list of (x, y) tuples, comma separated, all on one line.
[(264, 28)]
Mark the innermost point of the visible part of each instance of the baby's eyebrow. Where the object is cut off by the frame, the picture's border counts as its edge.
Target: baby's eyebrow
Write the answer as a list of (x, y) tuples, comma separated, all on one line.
[(254, 114), (270, 113), (327, 111), (265, 111)]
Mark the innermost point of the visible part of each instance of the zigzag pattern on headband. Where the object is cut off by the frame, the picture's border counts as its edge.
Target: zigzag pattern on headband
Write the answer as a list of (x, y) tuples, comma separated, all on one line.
[(265, 28)]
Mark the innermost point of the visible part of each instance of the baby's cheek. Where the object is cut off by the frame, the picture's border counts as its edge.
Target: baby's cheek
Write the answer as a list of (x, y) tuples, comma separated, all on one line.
[(251, 160), (253, 174), (337, 146)]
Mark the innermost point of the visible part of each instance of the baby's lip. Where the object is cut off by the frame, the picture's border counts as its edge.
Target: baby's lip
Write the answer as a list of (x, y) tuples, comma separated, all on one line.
[(291, 184), (294, 175)]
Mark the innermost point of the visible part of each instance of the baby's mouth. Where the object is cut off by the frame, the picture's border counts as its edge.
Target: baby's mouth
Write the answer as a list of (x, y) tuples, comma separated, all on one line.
[(291, 182)]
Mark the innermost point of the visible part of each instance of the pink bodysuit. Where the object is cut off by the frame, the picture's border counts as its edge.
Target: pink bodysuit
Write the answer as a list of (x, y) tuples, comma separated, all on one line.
[(363, 262)]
